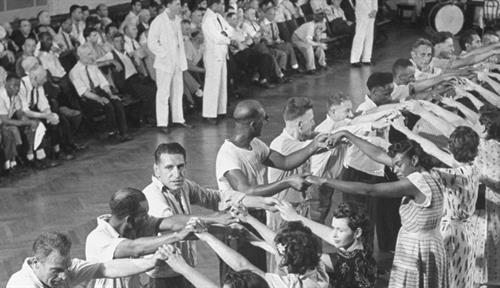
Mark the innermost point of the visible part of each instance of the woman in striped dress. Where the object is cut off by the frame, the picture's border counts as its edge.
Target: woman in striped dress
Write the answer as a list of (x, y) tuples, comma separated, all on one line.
[(420, 259)]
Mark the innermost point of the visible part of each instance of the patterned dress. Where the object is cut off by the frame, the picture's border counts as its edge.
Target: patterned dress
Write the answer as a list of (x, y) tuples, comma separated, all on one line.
[(460, 188), (487, 226), (420, 259), (352, 269)]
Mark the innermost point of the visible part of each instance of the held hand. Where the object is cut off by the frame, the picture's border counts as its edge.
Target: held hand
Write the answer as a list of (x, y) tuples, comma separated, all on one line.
[(223, 219), (287, 212), (372, 14), (53, 118), (115, 97), (298, 182), (271, 203), (321, 141), (194, 225), (399, 123), (173, 257), (315, 180), (103, 100), (118, 66), (482, 76), (239, 212)]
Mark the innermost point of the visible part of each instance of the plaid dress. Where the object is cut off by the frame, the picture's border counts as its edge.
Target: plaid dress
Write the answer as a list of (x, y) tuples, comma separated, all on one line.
[(420, 259)]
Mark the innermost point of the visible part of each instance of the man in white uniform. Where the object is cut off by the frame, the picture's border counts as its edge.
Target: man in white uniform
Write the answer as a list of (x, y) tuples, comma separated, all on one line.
[(166, 42), (216, 32), (362, 44), (51, 266)]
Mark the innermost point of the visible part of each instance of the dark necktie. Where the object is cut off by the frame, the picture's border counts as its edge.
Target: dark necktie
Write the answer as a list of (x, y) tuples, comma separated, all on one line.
[(272, 31), (177, 197), (66, 41), (34, 94), (92, 84)]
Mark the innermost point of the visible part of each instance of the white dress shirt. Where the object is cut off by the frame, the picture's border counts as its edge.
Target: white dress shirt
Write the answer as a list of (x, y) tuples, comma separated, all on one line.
[(30, 95), (9, 106), (80, 78), (127, 63), (50, 61)]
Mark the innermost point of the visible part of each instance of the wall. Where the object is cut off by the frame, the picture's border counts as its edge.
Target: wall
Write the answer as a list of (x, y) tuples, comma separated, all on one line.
[(11, 9)]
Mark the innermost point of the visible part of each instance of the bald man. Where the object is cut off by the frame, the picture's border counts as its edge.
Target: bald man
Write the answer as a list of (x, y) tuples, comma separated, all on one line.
[(242, 160)]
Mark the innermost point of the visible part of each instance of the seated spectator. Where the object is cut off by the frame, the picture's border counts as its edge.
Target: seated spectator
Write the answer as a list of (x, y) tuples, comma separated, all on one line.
[(285, 18), (78, 25), (36, 107), (185, 11), (469, 41), (197, 18), (92, 39), (28, 50), (132, 17), (271, 37), (85, 12), (129, 80), (144, 20), (63, 38), (303, 38), (338, 22), (44, 24), (191, 85), (133, 48), (95, 22), (96, 96), (7, 50), (13, 119), (24, 32), (194, 47), (102, 11), (246, 58), (154, 9)]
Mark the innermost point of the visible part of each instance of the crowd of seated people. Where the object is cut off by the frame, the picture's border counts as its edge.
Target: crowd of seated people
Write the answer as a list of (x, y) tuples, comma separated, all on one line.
[(87, 71)]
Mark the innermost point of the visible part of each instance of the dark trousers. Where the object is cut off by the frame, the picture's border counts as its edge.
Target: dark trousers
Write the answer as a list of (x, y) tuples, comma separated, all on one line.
[(171, 282), (115, 114), (383, 212), (144, 89), (285, 33), (250, 60), (255, 255)]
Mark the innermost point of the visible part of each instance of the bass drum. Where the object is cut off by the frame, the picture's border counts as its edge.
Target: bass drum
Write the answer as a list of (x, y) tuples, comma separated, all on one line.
[(446, 17)]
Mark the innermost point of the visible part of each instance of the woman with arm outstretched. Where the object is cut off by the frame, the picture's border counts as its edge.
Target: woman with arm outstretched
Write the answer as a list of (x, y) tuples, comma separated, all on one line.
[(419, 259)]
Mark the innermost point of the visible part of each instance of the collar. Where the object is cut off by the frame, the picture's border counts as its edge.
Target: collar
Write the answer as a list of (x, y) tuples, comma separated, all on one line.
[(28, 271), (103, 223), (287, 135), (266, 21)]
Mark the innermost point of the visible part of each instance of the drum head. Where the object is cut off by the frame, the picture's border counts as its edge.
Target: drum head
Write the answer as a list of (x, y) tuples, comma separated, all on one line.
[(449, 18)]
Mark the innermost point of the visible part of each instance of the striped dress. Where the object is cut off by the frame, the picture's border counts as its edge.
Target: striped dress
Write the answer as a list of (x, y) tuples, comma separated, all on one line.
[(420, 259)]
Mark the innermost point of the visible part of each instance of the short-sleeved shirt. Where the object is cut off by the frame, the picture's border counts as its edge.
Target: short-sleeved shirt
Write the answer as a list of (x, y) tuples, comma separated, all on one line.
[(401, 92), (51, 62), (32, 97), (80, 78), (250, 162), (79, 273), (8, 105), (101, 245)]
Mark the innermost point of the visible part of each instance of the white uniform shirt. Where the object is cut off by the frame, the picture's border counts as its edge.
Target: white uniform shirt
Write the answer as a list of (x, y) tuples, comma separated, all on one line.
[(30, 95), (8, 106), (50, 61), (80, 78), (79, 273), (127, 63), (250, 162)]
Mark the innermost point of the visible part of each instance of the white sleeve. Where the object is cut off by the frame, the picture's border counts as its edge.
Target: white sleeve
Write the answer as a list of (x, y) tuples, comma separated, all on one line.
[(158, 205), (23, 95), (226, 161), (43, 102), (154, 43), (102, 81), (100, 247), (81, 272)]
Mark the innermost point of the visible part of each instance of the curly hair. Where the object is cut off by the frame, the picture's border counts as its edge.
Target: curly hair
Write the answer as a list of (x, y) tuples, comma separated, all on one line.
[(463, 144), (302, 250), (356, 218), (245, 279), (411, 148), (490, 118)]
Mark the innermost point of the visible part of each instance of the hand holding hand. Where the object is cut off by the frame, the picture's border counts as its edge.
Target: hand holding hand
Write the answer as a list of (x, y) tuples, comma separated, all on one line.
[(298, 182), (239, 212), (172, 256), (315, 180), (115, 97), (53, 118), (287, 212), (33, 124), (223, 218)]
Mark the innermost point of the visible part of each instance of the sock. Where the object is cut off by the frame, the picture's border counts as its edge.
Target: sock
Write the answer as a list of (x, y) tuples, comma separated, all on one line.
[(295, 66), (40, 154), (13, 163), (57, 148), (30, 156), (7, 165)]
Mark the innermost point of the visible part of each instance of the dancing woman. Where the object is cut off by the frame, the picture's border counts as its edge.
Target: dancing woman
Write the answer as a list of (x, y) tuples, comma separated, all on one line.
[(420, 259)]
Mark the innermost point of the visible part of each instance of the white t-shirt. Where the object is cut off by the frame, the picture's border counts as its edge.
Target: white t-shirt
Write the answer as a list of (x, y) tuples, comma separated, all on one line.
[(250, 162), (79, 273)]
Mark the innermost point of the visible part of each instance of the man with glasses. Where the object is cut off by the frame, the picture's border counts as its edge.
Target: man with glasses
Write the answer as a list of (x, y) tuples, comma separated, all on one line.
[(242, 161)]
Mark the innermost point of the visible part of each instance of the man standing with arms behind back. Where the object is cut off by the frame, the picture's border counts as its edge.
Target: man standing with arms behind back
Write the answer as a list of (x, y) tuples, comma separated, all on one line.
[(216, 32), (166, 42)]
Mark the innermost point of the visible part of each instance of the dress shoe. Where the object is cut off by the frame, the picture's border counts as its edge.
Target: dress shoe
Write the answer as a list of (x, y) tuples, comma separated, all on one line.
[(124, 138), (367, 63), (211, 121), (311, 72), (184, 125), (164, 130), (356, 65)]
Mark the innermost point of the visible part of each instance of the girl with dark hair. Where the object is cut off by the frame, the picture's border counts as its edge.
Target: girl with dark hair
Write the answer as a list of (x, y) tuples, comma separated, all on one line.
[(420, 259), (298, 249), (244, 279), (351, 265)]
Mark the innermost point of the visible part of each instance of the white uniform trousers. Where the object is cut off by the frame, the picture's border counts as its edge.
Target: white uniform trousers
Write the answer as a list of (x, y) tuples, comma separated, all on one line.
[(215, 89), (170, 89), (362, 43)]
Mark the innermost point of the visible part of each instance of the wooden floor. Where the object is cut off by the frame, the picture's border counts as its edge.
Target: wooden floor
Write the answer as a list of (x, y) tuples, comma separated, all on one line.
[(69, 198)]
